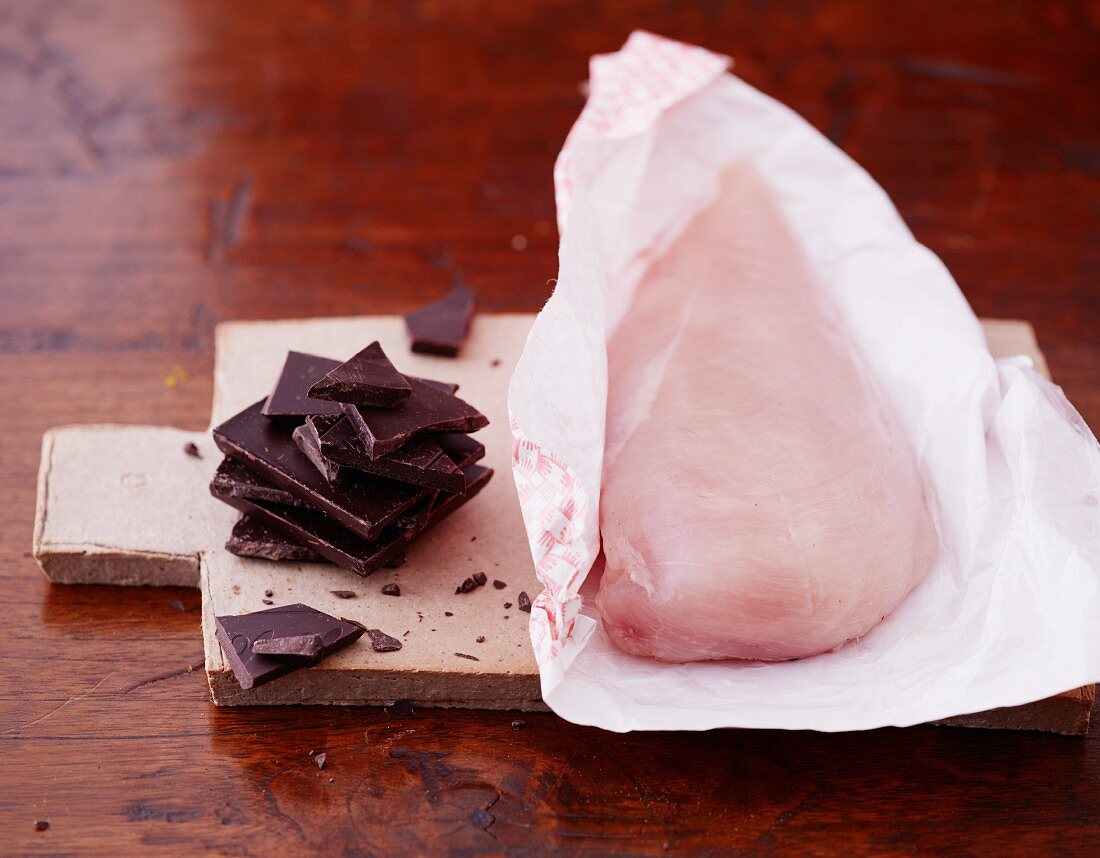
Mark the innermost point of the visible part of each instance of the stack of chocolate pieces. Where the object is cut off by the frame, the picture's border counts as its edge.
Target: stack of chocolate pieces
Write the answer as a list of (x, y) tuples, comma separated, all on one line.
[(347, 462)]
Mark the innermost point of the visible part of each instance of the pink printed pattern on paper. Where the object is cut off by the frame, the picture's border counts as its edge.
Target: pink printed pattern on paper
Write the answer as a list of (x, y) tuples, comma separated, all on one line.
[(628, 91), (554, 505)]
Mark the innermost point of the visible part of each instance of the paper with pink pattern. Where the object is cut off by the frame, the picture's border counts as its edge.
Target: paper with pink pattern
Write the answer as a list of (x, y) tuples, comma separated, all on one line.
[(1011, 611)]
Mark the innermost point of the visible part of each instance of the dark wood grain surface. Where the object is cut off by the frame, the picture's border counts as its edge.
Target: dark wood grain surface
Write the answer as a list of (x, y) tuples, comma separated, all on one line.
[(165, 165)]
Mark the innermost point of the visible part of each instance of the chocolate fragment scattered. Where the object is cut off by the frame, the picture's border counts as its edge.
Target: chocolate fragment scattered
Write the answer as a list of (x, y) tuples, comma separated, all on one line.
[(41, 825), (367, 378), (481, 639), (470, 657), (290, 398), (518, 725), (440, 328), (448, 614), (500, 585), (507, 605), (466, 586), (343, 594), (494, 363), (391, 590), (238, 634), (480, 578), (524, 603), (402, 707), (382, 642), (267, 601), (429, 409), (192, 449), (320, 759), (251, 538), (269, 593), (304, 647)]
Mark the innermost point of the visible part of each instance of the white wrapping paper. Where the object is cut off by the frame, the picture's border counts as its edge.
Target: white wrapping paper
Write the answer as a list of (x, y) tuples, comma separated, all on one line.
[(1010, 613)]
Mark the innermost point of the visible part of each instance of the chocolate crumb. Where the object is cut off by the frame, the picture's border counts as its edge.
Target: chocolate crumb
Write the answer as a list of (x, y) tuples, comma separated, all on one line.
[(518, 725), (466, 586), (267, 601), (391, 590), (268, 593), (320, 759), (495, 362), (401, 707), (382, 642), (448, 614), (177, 604), (191, 449), (473, 538), (480, 578), (41, 824), (505, 616), (481, 638), (507, 605), (524, 603), (236, 588), (464, 655), (343, 594), (419, 617), (500, 585), (405, 634)]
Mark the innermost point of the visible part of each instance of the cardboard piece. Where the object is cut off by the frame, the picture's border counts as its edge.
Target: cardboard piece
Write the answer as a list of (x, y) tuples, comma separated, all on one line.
[(126, 505)]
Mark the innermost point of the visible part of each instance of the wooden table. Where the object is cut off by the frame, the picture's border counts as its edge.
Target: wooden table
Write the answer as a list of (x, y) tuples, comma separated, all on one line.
[(164, 165)]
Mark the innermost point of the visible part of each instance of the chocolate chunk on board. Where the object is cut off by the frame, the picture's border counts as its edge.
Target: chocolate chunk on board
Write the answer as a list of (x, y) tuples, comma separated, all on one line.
[(347, 549), (367, 378), (440, 328), (290, 400), (382, 642), (365, 504), (233, 478), (305, 648), (432, 461), (429, 409), (238, 634), (252, 538), (305, 436)]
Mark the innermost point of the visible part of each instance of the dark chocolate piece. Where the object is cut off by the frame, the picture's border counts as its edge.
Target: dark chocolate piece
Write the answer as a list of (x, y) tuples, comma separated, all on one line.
[(422, 461), (233, 478), (391, 590), (448, 614), (440, 328), (365, 504), (382, 642), (296, 647), (524, 603), (41, 825), (238, 634), (367, 378), (305, 436), (429, 409), (470, 657), (344, 547), (192, 449), (479, 578), (466, 586), (343, 594), (498, 584), (507, 605), (320, 759), (251, 538), (290, 398), (480, 639), (267, 601)]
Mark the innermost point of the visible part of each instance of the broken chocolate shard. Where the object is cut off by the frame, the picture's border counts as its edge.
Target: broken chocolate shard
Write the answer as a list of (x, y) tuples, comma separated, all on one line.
[(440, 328), (507, 605), (269, 593), (382, 642), (367, 378), (498, 584), (305, 436), (391, 590), (422, 461), (383, 430), (340, 545), (524, 603), (343, 594), (192, 449), (448, 614), (267, 601), (365, 504), (466, 586), (41, 825), (290, 398), (233, 478), (299, 647), (480, 639), (470, 657), (479, 578), (251, 538), (238, 634)]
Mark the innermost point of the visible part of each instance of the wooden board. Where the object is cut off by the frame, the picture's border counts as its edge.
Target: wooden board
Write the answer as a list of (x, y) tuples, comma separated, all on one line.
[(142, 471)]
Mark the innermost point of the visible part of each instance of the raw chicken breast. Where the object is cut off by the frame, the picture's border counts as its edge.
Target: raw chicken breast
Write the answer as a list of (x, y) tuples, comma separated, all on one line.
[(759, 499)]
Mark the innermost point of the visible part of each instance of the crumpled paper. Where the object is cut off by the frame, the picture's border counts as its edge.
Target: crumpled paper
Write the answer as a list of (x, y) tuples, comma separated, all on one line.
[(1009, 614)]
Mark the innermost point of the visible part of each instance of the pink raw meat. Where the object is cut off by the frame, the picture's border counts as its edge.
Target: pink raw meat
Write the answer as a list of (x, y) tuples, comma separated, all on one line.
[(759, 498)]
